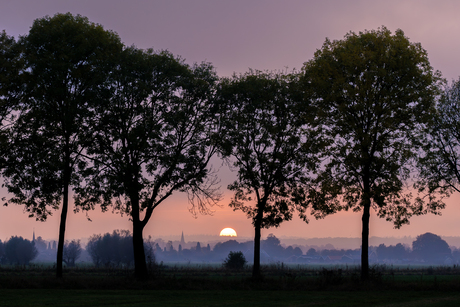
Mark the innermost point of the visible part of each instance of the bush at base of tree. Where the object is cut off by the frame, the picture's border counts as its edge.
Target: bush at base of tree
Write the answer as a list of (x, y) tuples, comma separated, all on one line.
[(235, 261)]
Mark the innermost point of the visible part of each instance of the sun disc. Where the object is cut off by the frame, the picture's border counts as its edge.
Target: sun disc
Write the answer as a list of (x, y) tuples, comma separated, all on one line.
[(228, 232)]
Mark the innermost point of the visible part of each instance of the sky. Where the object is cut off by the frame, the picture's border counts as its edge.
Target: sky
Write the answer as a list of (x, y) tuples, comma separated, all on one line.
[(235, 35)]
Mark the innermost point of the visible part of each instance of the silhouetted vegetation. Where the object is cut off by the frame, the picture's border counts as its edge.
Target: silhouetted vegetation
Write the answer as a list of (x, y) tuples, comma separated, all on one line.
[(270, 142), (235, 261), (72, 251), (126, 128), (62, 74), (431, 248), (18, 250), (375, 93)]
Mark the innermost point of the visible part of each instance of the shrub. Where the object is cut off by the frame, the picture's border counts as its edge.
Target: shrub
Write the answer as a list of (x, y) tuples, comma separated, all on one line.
[(235, 261)]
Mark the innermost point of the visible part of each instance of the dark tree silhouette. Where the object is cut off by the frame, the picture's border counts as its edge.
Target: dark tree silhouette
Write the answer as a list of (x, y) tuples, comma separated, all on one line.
[(235, 261), (115, 249), (153, 138), (431, 248), (19, 250), (72, 251), (65, 68), (440, 165), (375, 92), (11, 64), (269, 143)]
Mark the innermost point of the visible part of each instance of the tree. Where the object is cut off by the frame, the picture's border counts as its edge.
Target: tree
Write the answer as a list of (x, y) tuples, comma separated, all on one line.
[(10, 67), (375, 92), (154, 137), (72, 251), (66, 65), (431, 248), (115, 249), (235, 261), (2, 252), (19, 250), (269, 143), (440, 164), (312, 252), (272, 245)]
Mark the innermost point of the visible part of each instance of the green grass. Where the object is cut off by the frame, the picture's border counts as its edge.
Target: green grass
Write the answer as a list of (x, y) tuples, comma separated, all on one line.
[(215, 286), (225, 298)]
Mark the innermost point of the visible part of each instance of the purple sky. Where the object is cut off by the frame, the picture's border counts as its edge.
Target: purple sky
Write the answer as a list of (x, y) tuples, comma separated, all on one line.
[(236, 35)]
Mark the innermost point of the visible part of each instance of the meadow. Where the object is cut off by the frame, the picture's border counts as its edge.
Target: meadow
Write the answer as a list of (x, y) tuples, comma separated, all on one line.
[(211, 285)]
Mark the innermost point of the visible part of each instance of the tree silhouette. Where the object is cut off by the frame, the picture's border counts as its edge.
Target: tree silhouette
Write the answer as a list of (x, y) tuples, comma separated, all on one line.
[(235, 261), (72, 251), (65, 67), (270, 145), (152, 138), (431, 247), (11, 64), (63, 73), (19, 250), (440, 164), (375, 92)]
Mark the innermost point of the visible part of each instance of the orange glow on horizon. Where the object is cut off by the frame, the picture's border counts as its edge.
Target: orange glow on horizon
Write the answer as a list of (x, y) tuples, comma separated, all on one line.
[(228, 232)]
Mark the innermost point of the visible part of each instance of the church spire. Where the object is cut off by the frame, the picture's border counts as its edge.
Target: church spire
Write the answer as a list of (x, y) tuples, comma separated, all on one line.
[(182, 240), (33, 237)]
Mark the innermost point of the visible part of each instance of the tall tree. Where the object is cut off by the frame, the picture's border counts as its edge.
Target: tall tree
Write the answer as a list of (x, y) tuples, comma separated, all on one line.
[(268, 141), (440, 163), (153, 138), (10, 85), (66, 65), (375, 92)]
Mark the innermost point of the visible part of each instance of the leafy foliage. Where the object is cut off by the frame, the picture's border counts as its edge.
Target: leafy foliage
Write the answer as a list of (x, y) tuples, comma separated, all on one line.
[(114, 249), (431, 247), (375, 92), (152, 137), (11, 64), (268, 141), (235, 261), (440, 165), (19, 250), (72, 251), (65, 59)]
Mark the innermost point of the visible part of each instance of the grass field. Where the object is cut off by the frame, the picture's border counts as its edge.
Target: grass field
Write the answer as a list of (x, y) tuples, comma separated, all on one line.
[(214, 286), (50, 297)]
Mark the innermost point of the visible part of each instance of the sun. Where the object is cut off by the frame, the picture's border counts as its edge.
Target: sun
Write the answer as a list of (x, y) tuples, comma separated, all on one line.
[(228, 232)]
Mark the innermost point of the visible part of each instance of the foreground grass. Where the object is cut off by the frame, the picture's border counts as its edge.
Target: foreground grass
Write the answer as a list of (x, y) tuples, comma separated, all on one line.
[(240, 298), (214, 286)]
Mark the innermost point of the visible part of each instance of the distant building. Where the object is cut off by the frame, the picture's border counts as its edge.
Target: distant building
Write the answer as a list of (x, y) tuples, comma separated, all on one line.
[(182, 240)]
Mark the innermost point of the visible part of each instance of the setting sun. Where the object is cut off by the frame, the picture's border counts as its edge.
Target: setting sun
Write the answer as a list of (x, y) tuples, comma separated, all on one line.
[(228, 232)]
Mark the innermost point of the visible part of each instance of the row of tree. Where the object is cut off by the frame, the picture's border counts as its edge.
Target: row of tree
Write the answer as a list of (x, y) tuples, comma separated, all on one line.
[(116, 250), (20, 251), (364, 125)]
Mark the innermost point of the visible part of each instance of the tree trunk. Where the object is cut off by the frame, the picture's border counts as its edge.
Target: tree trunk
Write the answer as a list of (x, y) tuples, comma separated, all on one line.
[(140, 265), (65, 206), (256, 266), (365, 239)]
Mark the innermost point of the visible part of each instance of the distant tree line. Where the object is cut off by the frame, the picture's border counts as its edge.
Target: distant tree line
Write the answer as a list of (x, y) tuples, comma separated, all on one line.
[(367, 125), (115, 250)]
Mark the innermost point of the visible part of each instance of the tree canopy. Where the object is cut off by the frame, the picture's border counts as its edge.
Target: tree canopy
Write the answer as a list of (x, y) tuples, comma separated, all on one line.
[(270, 145), (153, 137), (375, 92), (440, 163), (431, 248), (65, 67)]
